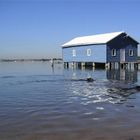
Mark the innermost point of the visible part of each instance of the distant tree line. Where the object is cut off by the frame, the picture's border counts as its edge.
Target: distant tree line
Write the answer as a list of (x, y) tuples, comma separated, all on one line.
[(22, 60)]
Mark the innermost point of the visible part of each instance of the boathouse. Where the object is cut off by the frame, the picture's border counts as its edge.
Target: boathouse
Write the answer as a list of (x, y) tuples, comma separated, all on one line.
[(112, 50)]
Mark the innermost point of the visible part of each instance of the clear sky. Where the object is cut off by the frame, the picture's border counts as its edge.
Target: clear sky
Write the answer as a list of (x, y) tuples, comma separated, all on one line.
[(38, 28)]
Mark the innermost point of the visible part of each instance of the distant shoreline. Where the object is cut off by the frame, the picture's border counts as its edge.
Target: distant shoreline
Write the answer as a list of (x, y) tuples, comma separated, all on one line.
[(26, 60)]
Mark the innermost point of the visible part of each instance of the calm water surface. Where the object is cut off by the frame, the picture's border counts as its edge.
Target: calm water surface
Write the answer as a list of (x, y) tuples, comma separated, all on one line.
[(41, 103)]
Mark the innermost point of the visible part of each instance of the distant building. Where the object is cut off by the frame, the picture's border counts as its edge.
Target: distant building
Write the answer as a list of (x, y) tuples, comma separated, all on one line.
[(115, 50)]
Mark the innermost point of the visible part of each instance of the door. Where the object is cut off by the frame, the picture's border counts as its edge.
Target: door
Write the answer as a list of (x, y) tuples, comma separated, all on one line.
[(122, 55)]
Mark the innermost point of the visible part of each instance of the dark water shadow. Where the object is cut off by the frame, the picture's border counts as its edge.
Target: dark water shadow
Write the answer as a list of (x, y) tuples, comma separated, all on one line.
[(122, 84), (122, 75), (7, 77)]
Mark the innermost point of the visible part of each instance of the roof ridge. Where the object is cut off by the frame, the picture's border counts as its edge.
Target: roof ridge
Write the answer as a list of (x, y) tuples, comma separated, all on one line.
[(102, 34), (92, 39)]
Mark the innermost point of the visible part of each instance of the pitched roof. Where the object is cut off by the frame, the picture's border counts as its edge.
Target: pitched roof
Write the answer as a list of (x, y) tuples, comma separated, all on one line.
[(94, 39)]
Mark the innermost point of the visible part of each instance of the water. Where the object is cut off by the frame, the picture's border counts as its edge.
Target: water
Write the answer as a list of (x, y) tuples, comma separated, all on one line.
[(38, 102)]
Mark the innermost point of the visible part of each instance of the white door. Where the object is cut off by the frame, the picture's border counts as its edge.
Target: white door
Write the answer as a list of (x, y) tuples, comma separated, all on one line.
[(122, 55)]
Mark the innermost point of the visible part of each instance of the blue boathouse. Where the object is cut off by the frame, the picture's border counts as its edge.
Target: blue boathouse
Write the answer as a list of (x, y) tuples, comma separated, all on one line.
[(113, 50)]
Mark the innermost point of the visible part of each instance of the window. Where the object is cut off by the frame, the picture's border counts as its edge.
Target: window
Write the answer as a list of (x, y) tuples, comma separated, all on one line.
[(131, 52), (73, 53), (88, 52), (113, 52)]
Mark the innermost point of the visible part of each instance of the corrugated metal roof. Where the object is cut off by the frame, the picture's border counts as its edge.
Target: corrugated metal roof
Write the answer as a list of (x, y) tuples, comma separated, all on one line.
[(94, 39)]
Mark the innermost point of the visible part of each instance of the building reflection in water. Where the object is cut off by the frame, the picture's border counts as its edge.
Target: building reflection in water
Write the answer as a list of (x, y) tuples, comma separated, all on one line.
[(122, 84), (122, 75), (119, 87)]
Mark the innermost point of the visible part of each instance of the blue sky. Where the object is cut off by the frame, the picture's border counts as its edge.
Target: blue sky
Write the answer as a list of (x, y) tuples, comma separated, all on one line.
[(38, 28)]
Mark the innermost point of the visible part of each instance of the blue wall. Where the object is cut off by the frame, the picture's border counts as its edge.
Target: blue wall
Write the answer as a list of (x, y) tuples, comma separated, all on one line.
[(131, 58), (98, 54), (111, 58), (116, 58), (122, 42)]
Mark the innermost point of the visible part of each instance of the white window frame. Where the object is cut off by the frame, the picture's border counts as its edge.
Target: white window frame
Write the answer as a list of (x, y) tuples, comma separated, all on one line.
[(74, 53), (113, 52), (131, 52), (88, 52)]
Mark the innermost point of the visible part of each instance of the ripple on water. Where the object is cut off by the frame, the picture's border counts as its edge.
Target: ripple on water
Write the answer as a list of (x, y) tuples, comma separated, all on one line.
[(42, 106)]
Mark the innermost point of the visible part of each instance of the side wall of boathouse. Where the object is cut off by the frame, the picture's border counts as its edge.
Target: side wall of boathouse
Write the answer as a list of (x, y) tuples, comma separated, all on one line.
[(89, 53)]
